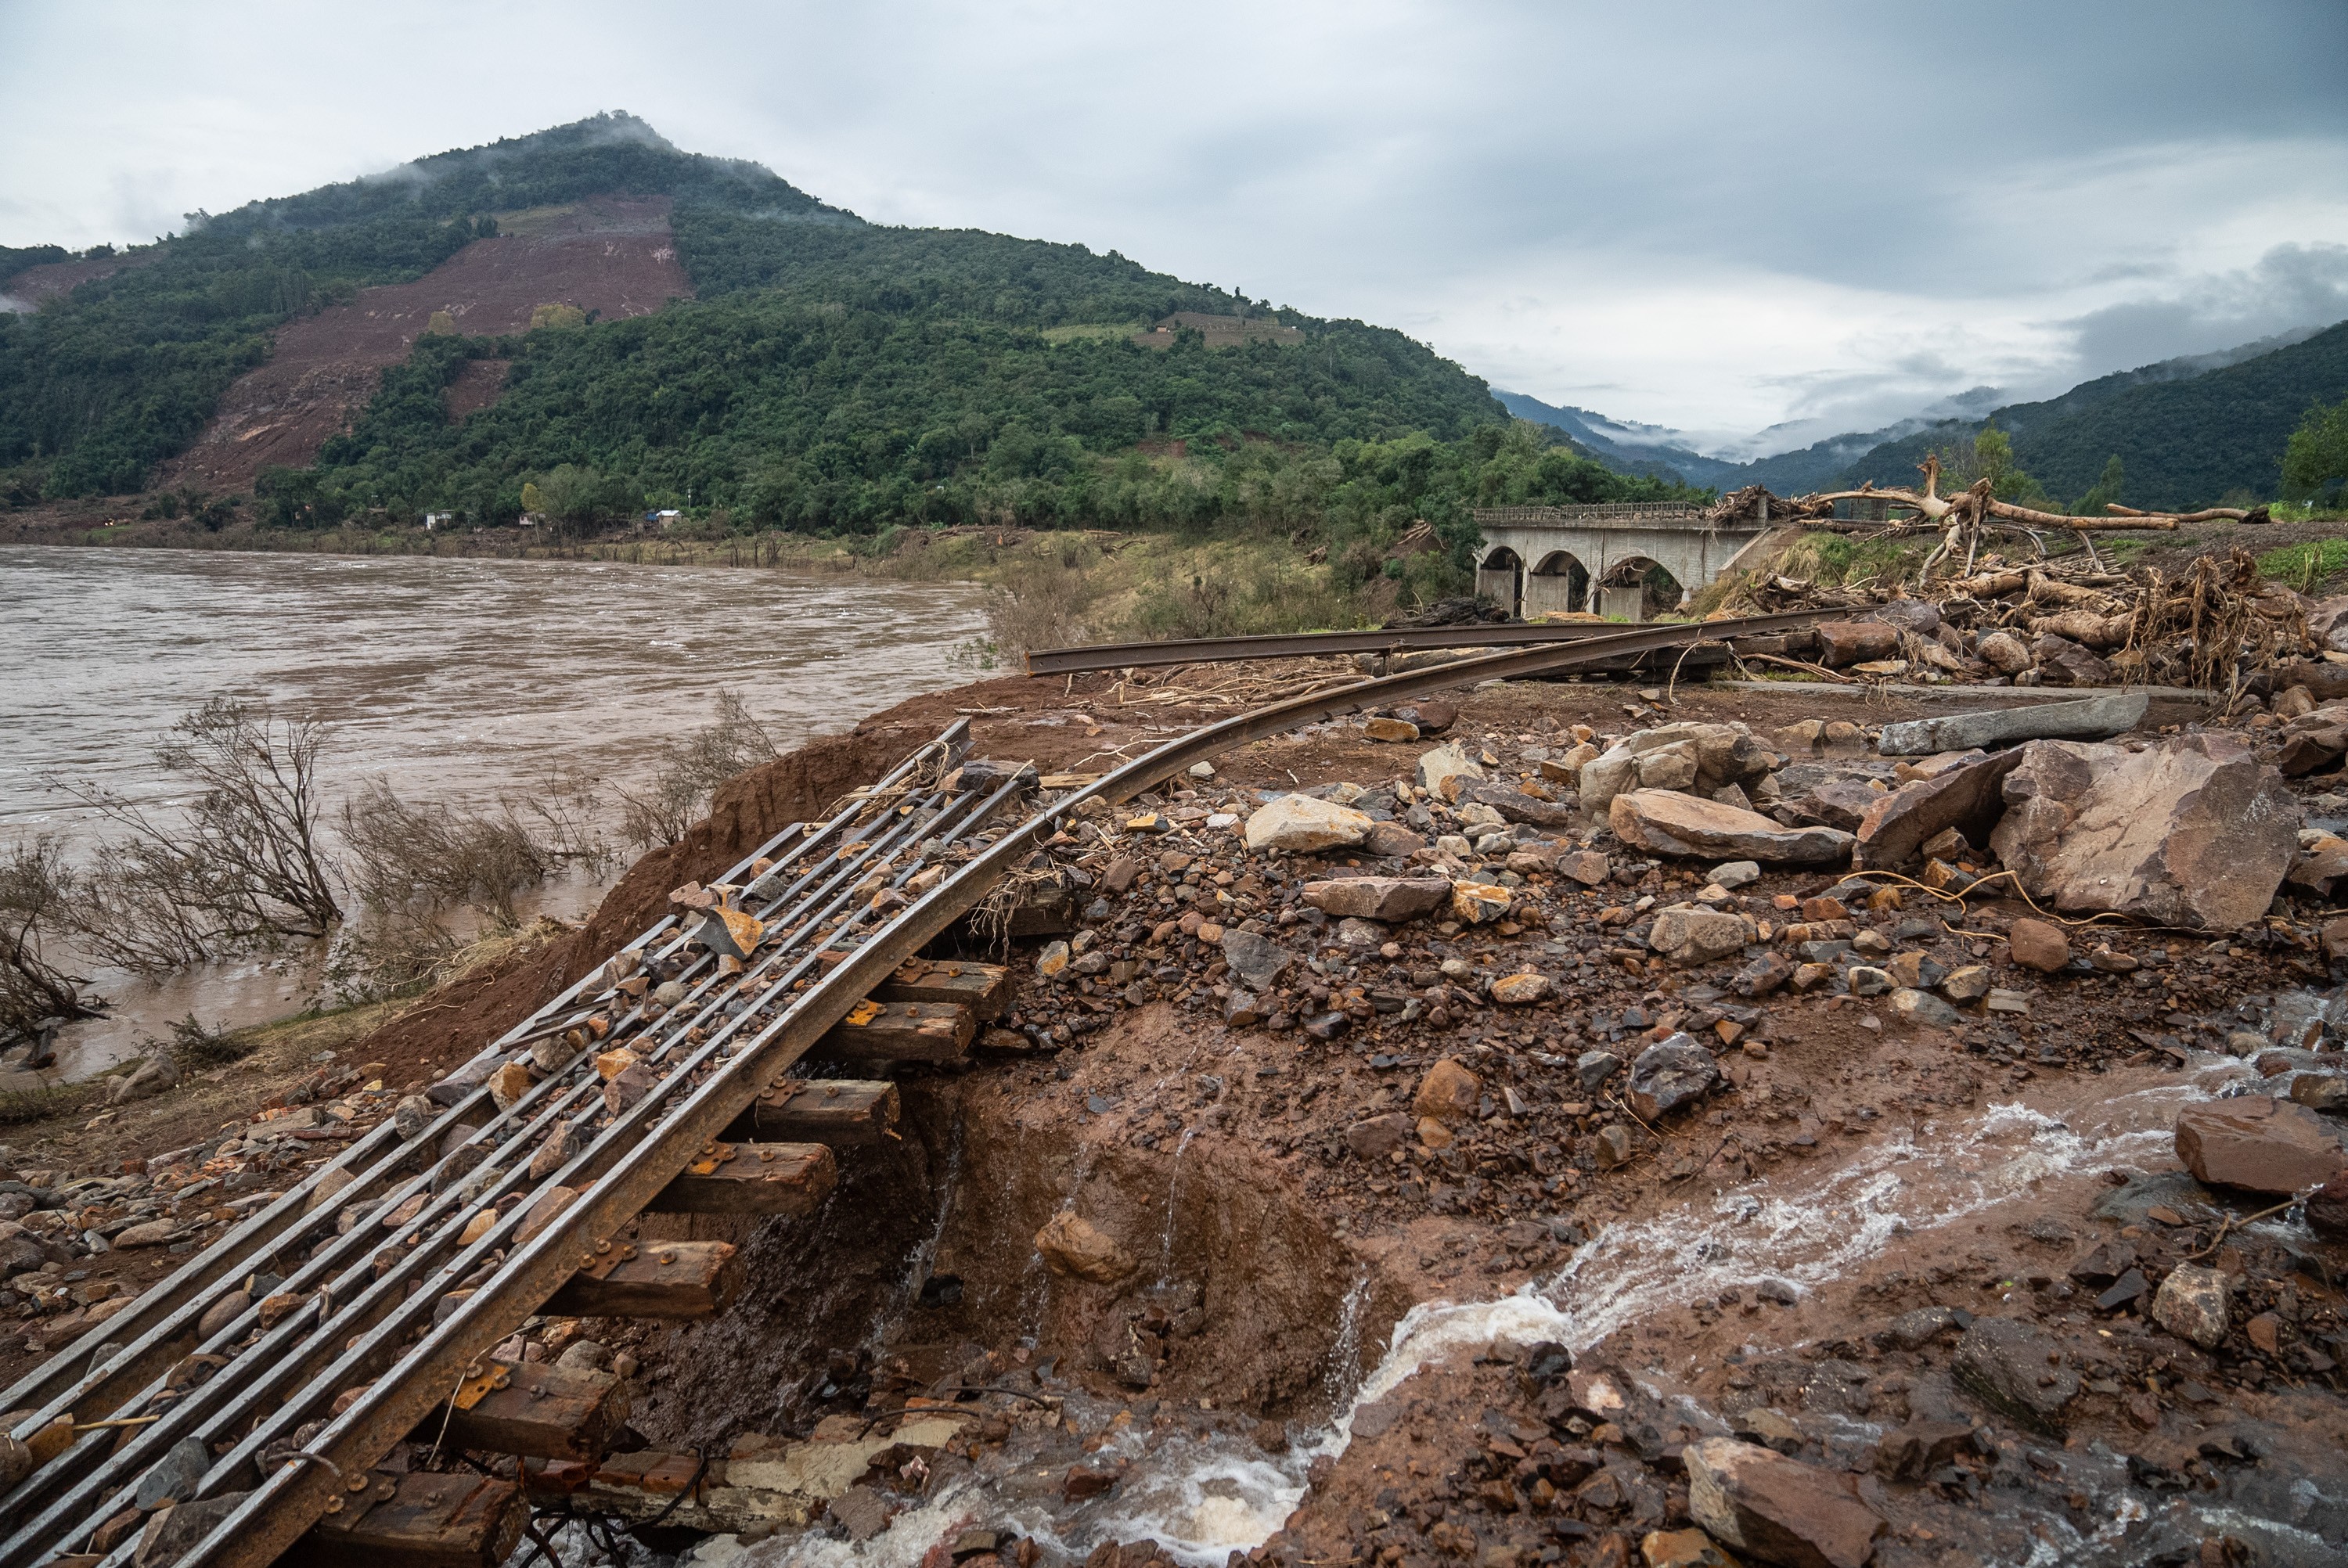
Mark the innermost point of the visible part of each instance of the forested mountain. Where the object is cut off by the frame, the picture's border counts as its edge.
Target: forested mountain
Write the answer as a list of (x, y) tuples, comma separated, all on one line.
[(2184, 440), (824, 372)]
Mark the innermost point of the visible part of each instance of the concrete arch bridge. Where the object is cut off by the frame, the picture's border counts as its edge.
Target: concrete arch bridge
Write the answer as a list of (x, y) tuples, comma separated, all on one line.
[(1612, 558)]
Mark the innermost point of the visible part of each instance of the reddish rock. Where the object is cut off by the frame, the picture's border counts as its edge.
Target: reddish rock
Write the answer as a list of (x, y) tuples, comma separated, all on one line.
[(1389, 898), (2192, 831), (1756, 1500), (2327, 1208), (1672, 823), (2038, 945), (1379, 1136), (2258, 1143), (1894, 827), (1448, 1093)]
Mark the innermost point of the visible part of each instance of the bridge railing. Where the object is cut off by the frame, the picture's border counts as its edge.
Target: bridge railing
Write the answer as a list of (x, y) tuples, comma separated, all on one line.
[(1581, 516)]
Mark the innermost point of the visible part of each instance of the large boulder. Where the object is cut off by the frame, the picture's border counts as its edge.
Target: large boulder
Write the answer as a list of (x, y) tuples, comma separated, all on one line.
[(2260, 1145), (2191, 831), (1389, 898), (1698, 756), (1778, 1510), (1842, 642), (1895, 826), (1298, 823), (1672, 824)]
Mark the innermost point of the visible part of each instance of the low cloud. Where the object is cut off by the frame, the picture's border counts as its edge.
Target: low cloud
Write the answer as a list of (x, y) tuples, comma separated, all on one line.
[(2290, 286)]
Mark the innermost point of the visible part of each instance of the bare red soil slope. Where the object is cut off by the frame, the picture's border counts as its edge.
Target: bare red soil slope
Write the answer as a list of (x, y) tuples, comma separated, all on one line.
[(612, 256)]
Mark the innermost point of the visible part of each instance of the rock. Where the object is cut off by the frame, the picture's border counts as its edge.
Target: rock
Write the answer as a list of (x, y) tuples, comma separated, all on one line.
[(2003, 653), (1513, 804), (1895, 827), (1967, 983), (1612, 1146), (1682, 1549), (1842, 642), (1586, 867), (1921, 1446), (2327, 1208), (1666, 767), (1866, 981), (1073, 1248), (1831, 802), (1593, 1068), (1243, 1010), (221, 1314), (2038, 945), (1923, 1009), (173, 1477), (1520, 990), (1390, 841), (1300, 823), (1387, 898), (2258, 1143), (2066, 663), (2314, 741), (412, 1115), (1052, 959), (2096, 719), (2015, 1369), (1670, 824), (1449, 1093), (2191, 1305), (1670, 1073), (151, 1078), (1698, 936), (2322, 860), (1778, 1510), (1735, 873), (1476, 902), (1256, 962), (1763, 976), (149, 1233), (1383, 729), (1379, 1136), (1913, 1329), (1444, 769)]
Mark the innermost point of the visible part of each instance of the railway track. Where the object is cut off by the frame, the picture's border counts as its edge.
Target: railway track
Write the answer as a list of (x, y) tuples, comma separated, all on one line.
[(255, 1388)]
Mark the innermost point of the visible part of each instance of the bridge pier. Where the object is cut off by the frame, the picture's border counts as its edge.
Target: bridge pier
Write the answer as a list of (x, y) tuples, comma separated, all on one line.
[(1601, 552)]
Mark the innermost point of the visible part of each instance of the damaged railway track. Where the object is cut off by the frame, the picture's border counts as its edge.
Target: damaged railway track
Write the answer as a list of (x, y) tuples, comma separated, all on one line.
[(233, 1413)]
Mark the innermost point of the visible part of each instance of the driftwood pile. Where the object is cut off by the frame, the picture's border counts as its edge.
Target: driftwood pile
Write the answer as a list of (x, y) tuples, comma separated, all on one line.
[(2218, 626)]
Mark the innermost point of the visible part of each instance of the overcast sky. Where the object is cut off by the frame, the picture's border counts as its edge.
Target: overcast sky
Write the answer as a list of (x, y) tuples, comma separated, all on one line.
[(1718, 217)]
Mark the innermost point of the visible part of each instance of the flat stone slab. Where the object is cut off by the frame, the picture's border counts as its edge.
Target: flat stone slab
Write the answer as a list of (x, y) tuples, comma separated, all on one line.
[(2096, 719)]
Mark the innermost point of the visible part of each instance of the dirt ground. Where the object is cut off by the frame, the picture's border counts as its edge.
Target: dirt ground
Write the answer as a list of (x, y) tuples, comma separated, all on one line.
[(1797, 1258)]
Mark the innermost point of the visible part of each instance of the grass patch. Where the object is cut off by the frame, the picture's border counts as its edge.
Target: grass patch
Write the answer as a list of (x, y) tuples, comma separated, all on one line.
[(2303, 565)]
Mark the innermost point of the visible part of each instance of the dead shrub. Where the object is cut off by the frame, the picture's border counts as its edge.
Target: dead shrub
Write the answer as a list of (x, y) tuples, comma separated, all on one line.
[(398, 955), (36, 892), (734, 742), (437, 857), (1045, 607)]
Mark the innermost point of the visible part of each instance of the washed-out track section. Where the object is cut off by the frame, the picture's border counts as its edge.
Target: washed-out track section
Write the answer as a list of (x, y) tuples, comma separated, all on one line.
[(386, 1278)]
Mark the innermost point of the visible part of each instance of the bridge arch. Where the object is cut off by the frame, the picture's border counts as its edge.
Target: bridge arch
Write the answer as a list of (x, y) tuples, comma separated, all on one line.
[(1558, 584), (1639, 588), (1500, 577)]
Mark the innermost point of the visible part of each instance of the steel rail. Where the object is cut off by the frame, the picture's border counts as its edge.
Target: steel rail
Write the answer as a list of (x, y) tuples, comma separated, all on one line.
[(1085, 657), (294, 1346), (639, 1152), (229, 1260)]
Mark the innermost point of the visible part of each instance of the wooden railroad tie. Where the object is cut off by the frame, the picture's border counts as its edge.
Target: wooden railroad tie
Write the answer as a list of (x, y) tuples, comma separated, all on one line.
[(752, 1179), (901, 1032), (532, 1407), (665, 1279), (843, 1112), (419, 1519)]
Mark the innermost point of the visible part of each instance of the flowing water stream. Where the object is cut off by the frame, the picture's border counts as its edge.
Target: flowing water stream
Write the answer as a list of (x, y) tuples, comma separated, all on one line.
[(464, 682)]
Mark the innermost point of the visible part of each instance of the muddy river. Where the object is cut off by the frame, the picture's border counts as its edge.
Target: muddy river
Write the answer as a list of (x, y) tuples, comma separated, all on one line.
[(460, 680)]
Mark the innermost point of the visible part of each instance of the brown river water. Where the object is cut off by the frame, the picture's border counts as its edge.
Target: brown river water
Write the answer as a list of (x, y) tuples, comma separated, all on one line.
[(457, 680)]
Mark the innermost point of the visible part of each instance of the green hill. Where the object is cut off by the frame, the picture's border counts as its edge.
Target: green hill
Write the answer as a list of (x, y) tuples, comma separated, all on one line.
[(828, 374), (2184, 442)]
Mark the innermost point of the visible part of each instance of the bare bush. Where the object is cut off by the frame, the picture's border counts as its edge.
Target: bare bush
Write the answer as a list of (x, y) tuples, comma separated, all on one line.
[(195, 1044), (1044, 608), (565, 807), (691, 770), (36, 892), (398, 956), (242, 864), (437, 857)]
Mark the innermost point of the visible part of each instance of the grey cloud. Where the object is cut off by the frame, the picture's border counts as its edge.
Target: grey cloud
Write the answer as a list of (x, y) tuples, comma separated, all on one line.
[(2290, 286)]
